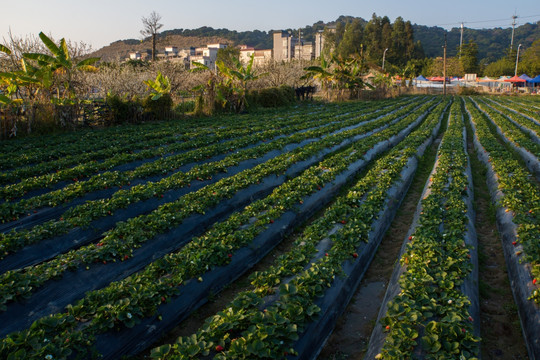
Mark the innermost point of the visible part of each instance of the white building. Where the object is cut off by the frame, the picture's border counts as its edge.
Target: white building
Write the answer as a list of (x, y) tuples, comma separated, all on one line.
[(260, 57), (206, 55)]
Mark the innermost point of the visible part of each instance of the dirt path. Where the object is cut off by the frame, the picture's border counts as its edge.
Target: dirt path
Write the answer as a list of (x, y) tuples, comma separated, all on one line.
[(500, 328), (353, 330)]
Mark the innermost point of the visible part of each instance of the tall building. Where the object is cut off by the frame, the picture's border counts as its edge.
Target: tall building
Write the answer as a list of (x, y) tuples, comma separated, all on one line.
[(283, 47), (319, 44)]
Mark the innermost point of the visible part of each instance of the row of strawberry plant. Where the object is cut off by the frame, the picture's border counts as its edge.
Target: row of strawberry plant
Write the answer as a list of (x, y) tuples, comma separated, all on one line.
[(509, 130), (427, 310), (256, 324), (531, 110), (524, 122), (83, 214), (176, 268), (19, 152), (115, 155), (516, 196), (120, 242), (87, 169), (125, 151), (202, 150)]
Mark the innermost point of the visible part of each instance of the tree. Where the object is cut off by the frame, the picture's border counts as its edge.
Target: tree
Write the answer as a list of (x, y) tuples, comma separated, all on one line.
[(530, 60), (151, 27), (469, 58), (352, 39), (227, 55)]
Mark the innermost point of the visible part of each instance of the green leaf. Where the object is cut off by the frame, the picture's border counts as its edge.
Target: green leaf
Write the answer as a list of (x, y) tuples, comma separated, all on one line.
[(160, 352), (4, 49), (49, 44)]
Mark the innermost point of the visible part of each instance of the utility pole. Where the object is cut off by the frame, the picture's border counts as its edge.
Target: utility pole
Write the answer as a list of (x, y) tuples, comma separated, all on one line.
[(517, 60), (514, 17), (444, 66), (461, 40)]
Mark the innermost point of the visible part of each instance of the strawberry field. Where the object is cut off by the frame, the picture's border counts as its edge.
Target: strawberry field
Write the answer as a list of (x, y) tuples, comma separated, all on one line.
[(110, 239)]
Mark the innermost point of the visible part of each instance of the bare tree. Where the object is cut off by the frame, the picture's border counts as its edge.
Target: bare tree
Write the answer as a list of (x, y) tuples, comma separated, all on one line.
[(151, 27)]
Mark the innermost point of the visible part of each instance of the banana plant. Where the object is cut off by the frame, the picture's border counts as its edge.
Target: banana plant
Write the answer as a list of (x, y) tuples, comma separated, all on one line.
[(161, 86), (323, 73), (58, 63), (237, 79), (208, 90)]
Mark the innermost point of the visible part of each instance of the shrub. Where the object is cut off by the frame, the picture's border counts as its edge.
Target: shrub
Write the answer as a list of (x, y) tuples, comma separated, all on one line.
[(123, 110), (185, 107), (463, 90), (157, 109), (272, 97)]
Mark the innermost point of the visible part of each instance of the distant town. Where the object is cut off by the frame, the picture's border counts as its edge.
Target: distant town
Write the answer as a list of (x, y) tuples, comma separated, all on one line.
[(286, 47)]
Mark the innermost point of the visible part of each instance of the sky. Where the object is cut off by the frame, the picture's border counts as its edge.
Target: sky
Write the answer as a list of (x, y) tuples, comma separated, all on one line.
[(100, 22)]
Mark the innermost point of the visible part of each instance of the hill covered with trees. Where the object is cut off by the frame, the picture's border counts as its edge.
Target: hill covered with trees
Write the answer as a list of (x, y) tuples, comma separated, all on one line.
[(428, 40)]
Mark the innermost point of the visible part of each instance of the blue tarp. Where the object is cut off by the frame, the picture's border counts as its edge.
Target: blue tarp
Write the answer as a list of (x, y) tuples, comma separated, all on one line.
[(421, 78), (526, 77), (535, 80)]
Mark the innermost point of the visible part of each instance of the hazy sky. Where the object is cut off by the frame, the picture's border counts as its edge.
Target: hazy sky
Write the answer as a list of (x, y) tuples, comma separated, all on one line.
[(100, 22)]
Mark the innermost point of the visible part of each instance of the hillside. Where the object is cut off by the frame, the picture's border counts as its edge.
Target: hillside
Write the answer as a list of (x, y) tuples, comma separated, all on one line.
[(492, 43)]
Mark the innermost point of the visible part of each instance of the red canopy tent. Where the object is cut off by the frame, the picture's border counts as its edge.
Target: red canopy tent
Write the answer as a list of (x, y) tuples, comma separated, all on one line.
[(515, 79)]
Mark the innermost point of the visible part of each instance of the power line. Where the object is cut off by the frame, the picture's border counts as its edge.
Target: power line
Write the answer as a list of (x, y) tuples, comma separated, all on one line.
[(486, 21)]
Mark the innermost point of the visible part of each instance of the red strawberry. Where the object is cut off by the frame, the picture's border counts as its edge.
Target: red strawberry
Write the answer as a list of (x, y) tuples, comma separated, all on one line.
[(410, 238), (271, 221), (104, 262), (387, 327), (162, 195), (163, 299), (514, 243), (355, 255), (229, 255), (534, 281), (471, 319), (126, 257), (325, 254), (343, 221)]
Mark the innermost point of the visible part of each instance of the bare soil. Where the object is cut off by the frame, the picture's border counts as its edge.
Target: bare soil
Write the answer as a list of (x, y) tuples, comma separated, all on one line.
[(353, 330), (500, 327)]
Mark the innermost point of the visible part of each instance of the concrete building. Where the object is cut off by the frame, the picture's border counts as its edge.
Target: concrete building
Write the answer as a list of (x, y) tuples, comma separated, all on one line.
[(206, 55), (140, 55), (287, 47), (283, 46), (260, 56)]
